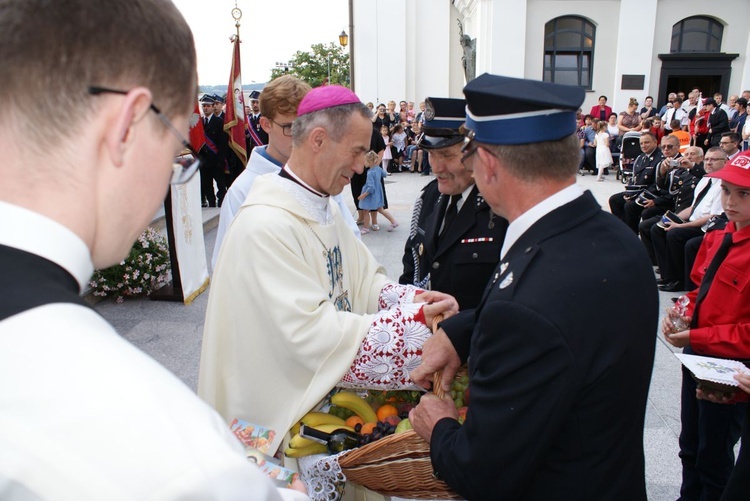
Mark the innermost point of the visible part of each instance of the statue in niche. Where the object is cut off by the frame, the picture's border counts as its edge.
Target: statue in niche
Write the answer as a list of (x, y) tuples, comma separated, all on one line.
[(469, 59)]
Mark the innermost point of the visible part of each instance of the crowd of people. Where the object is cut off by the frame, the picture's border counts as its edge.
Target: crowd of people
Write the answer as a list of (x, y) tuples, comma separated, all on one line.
[(504, 246), (689, 192), (696, 121)]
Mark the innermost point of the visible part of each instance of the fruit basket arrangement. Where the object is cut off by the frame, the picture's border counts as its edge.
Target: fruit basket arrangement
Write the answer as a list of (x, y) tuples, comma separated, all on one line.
[(390, 458)]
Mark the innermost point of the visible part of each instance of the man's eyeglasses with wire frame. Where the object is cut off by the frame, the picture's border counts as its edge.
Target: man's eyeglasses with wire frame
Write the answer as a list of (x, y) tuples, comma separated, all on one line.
[(468, 151), (180, 173)]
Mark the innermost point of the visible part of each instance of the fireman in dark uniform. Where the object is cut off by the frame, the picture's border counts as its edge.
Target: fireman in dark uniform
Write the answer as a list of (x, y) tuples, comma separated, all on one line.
[(455, 238)]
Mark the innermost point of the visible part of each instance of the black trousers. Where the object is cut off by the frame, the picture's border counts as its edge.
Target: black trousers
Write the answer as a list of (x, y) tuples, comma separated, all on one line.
[(630, 212), (709, 432), (669, 247), (738, 488), (211, 171), (644, 230)]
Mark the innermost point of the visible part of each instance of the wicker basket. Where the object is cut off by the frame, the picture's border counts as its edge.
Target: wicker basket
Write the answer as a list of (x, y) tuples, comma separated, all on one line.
[(398, 465)]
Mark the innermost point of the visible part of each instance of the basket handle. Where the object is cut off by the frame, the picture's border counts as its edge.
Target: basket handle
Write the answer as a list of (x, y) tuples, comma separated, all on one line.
[(437, 378)]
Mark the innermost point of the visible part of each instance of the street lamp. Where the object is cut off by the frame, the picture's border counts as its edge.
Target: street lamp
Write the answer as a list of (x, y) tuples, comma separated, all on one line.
[(344, 41)]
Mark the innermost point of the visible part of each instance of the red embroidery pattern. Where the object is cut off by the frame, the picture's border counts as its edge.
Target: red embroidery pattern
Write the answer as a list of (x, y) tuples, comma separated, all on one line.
[(396, 294), (391, 349)]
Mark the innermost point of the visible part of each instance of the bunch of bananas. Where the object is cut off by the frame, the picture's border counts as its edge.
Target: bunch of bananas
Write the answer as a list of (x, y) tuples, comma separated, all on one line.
[(300, 446)]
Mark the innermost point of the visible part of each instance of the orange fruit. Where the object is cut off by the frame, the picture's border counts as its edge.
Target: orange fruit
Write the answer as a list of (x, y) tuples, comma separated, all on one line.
[(386, 410), (367, 428), (354, 420)]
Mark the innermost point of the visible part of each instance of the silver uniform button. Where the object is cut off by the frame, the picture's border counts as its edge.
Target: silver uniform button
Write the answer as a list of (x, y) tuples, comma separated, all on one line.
[(475, 255), (435, 265)]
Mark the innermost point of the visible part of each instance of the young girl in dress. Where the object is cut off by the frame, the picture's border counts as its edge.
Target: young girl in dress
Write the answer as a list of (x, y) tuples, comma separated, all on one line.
[(399, 145), (372, 199), (603, 153), (387, 154)]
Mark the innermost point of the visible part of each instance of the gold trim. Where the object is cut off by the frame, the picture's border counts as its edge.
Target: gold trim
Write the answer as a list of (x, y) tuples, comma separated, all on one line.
[(197, 293)]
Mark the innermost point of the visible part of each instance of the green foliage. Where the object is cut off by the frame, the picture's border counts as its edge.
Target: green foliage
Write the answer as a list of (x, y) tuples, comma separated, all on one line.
[(312, 66), (145, 269)]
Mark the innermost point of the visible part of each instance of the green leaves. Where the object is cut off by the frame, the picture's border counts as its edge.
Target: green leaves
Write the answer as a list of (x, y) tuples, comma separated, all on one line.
[(313, 66)]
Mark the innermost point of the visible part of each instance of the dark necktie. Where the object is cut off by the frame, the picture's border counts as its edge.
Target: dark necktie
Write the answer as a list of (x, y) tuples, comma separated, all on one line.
[(700, 196), (450, 213), (719, 257)]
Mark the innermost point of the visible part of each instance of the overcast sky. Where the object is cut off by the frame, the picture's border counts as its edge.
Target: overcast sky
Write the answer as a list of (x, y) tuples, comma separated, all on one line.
[(271, 31)]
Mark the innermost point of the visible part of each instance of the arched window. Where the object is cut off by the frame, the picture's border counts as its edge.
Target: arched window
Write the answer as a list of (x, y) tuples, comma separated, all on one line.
[(697, 34), (569, 51)]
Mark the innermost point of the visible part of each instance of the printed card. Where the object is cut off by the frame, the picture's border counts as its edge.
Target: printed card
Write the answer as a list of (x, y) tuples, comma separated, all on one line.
[(716, 370)]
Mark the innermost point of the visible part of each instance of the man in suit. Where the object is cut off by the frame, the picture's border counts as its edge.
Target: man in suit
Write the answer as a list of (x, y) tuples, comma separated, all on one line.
[(454, 243), (85, 414), (674, 188), (718, 122), (213, 152), (668, 240), (624, 205), (258, 136), (559, 375)]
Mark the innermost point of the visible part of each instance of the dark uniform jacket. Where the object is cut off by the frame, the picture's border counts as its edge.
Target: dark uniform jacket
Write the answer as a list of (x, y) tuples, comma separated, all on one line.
[(644, 167), (463, 261), (255, 124), (718, 124), (559, 372), (678, 186), (215, 135)]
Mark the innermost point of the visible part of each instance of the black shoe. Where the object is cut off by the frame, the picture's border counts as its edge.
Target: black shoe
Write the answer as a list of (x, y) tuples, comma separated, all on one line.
[(662, 281), (674, 286), (606, 171)]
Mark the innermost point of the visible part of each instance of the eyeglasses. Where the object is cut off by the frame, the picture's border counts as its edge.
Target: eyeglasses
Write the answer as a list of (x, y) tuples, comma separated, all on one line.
[(180, 173), (467, 144), (667, 146), (286, 129)]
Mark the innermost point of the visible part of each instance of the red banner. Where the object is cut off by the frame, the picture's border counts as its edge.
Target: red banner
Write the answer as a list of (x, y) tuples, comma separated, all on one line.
[(197, 137), (234, 121)]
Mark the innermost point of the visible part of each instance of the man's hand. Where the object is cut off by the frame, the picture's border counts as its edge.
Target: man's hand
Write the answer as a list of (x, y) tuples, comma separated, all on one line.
[(670, 225), (447, 308), (717, 397), (438, 303), (744, 381), (432, 297), (438, 354), (649, 204), (430, 410), (678, 339)]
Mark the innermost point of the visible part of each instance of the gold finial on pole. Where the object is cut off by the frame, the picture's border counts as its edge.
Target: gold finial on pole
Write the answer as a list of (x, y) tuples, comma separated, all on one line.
[(236, 15)]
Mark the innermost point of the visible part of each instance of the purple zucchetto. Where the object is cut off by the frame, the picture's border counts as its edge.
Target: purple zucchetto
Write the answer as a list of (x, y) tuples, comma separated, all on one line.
[(326, 96)]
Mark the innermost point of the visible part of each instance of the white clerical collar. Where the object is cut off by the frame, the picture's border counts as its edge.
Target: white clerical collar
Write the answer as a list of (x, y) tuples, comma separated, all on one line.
[(36, 234), (290, 171), (518, 227), (315, 203)]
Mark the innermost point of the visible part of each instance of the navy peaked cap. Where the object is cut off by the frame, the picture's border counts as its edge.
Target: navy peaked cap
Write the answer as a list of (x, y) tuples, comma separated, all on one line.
[(443, 118), (505, 110)]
